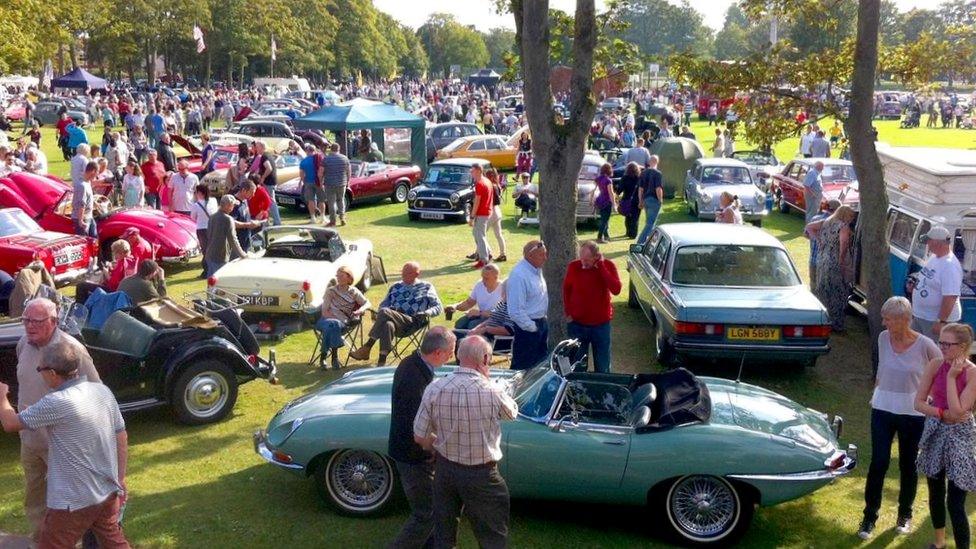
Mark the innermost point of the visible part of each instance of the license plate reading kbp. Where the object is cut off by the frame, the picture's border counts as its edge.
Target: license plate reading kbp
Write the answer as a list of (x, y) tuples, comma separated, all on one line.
[(260, 300), (752, 333)]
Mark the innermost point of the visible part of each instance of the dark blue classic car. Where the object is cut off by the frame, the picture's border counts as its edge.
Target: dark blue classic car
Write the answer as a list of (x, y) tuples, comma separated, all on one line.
[(446, 192), (725, 293)]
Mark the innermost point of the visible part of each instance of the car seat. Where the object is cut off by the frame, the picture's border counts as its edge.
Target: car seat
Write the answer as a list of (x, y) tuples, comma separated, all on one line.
[(126, 335)]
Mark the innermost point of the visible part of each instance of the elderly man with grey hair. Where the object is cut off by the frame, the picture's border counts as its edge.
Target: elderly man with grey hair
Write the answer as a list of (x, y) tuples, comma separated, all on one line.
[(459, 421), (40, 320), (87, 451), (414, 464)]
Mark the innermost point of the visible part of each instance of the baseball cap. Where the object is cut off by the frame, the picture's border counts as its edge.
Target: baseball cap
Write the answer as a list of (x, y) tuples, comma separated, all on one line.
[(937, 232), (228, 199)]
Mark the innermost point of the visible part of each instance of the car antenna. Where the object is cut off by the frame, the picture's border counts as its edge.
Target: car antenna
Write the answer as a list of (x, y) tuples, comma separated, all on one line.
[(742, 364)]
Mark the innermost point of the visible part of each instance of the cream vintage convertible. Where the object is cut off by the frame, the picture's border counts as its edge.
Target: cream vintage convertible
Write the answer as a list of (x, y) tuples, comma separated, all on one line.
[(294, 269)]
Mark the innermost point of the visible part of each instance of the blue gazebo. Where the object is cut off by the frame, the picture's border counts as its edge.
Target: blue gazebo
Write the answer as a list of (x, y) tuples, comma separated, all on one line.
[(371, 117), (80, 78)]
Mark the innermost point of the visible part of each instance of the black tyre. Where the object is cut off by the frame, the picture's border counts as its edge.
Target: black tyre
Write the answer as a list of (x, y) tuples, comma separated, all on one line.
[(367, 279), (706, 510), (204, 393), (632, 301), (400, 193), (694, 210), (355, 482), (666, 354), (467, 212)]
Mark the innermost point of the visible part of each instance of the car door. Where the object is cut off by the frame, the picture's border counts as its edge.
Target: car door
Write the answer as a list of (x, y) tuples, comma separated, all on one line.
[(128, 376), (659, 293), (476, 149), (573, 461), (640, 273), (691, 183)]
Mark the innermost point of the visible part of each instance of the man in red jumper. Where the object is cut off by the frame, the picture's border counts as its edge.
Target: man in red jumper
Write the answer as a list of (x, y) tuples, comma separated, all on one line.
[(589, 282)]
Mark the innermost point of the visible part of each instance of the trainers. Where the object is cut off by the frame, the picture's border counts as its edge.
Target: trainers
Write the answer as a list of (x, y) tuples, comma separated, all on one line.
[(904, 525), (866, 529), (478, 265), (501, 258), (472, 256)]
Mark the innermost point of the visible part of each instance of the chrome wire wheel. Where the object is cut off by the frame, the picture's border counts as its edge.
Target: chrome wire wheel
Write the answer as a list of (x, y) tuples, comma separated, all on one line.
[(703, 508), (359, 481), (206, 394)]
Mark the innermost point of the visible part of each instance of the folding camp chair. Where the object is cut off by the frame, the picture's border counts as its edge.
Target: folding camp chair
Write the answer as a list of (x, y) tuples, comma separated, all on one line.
[(402, 345), (352, 335), (501, 346)]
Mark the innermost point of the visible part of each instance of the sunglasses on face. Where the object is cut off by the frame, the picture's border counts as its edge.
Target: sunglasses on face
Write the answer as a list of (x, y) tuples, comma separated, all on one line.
[(948, 344), (33, 321)]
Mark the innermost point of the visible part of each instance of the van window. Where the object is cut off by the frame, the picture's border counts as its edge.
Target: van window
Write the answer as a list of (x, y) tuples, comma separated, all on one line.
[(903, 231), (919, 249)]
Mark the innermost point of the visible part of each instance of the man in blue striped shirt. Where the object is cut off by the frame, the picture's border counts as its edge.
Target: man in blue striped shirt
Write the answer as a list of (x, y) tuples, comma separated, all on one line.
[(87, 451), (407, 307), (528, 304)]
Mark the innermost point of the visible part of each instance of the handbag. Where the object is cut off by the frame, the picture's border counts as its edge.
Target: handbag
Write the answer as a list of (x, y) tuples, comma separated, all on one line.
[(626, 207)]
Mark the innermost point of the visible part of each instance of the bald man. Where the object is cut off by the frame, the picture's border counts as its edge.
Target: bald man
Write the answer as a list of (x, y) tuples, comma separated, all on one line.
[(40, 321), (407, 307)]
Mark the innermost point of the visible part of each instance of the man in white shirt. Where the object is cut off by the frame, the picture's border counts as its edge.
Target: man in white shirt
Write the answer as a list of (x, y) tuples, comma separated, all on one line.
[(528, 304), (935, 295), (183, 184), (806, 142)]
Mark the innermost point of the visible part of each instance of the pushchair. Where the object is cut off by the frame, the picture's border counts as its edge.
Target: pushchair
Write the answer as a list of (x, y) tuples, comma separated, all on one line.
[(912, 120)]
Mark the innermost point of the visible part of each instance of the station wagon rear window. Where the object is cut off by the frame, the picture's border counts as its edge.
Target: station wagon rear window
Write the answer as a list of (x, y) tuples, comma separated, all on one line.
[(733, 265)]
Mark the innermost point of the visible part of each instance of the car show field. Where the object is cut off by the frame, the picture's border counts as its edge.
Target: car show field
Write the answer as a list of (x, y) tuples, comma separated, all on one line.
[(200, 486)]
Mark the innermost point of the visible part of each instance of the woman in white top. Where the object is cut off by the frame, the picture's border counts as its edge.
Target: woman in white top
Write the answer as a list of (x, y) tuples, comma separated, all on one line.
[(201, 209), (483, 298), (902, 356), (133, 186), (730, 209)]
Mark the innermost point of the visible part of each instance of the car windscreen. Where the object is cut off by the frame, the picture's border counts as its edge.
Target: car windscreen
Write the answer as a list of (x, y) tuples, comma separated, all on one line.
[(448, 176), (225, 157), (16, 222), (755, 158), (714, 175), (589, 171), (535, 390), (733, 265), (832, 174)]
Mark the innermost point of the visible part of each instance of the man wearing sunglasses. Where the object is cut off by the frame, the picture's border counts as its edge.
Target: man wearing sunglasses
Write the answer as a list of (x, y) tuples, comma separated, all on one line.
[(87, 450), (40, 321)]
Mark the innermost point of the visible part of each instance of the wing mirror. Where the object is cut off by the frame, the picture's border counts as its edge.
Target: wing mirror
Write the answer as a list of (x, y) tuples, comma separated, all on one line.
[(642, 417), (566, 421)]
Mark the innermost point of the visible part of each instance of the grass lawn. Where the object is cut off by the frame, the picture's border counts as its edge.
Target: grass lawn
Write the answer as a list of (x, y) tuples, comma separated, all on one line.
[(205, 487)]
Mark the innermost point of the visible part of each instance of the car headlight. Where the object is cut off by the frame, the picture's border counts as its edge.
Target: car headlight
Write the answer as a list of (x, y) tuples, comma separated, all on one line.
[(411, 196), (280, 434), (706, 198), (760, 198), (455, 197)]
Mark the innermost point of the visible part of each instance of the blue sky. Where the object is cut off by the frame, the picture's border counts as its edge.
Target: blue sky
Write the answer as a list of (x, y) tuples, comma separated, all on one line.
[(481, 14)]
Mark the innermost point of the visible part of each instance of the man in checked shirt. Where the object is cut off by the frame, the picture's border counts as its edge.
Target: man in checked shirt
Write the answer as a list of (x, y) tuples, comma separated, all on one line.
[(459, 419)]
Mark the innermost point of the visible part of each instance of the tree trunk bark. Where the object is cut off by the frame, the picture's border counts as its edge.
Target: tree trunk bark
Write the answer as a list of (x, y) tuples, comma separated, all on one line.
[(874, 198), (73, 52), (558, 148)]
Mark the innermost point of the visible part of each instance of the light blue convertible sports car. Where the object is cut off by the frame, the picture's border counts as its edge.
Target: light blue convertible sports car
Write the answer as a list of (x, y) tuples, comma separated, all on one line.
[(702, 452), (728, 291)]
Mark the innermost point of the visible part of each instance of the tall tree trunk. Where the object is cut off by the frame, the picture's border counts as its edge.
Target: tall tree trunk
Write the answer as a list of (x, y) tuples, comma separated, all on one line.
[(73, 52), (558, 148), (874, 198), (206, 78)]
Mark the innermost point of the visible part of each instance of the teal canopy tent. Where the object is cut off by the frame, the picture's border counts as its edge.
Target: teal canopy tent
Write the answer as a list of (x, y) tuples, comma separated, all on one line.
[(377, 118)]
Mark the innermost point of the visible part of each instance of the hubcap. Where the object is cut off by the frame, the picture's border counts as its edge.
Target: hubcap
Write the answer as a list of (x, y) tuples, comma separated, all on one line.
[(206, 394), (360, 479), (401, 193), (704, 507)]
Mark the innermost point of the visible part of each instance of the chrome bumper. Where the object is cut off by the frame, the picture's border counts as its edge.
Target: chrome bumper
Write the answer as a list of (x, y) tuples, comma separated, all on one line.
[(793, 350), (182, 258), (261, 449), (70, 276), (848, 463)]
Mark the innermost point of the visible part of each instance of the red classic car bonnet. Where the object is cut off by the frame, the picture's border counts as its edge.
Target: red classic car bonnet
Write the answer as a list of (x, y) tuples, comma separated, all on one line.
[(31, 193)]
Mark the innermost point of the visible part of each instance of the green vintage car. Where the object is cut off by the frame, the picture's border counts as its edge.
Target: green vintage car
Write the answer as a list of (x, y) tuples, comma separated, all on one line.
[(703, 451)]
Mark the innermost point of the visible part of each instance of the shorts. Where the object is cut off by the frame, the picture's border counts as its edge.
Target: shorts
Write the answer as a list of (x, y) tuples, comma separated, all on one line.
[(312, 193)]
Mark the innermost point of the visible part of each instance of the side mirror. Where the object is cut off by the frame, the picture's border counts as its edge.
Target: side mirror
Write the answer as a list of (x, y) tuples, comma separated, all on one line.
[(642, 417), (566, 421), (636, 248)]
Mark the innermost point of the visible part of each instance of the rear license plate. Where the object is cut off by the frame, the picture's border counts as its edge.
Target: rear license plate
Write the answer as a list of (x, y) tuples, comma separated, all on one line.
[(260, 300), (286, 200), (68, 257), (427, 215), (752, 333)]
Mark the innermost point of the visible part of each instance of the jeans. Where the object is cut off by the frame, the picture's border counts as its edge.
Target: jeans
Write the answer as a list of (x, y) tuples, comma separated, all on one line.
[(530, 348), (468, 322), (211, 266), (956, 502), (481, 493), (335, 198), (651, 208), (595, 337), (331, 330), (86, 228), (417, 480), (480, 232), (603, 228), (152, 200), (884, 427), (275, 214)]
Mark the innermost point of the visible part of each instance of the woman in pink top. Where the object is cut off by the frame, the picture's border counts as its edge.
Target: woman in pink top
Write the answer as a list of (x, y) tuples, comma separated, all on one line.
[(948, 444)]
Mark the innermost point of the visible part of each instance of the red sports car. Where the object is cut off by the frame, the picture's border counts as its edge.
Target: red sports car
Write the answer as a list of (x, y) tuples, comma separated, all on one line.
[(370, 181), (838, 178), (23, 241), (225, 157), (48, 201)]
